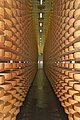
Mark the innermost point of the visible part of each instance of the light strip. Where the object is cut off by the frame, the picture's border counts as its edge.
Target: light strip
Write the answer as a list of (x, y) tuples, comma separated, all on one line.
[(41, 15), (41, 2), (40, 24), (40, 30)]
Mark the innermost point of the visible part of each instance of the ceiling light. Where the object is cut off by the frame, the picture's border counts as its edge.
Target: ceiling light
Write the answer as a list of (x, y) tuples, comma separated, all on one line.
[(41, 2), (40, 30), (40, 24), (40, 38), (41, 15), (40, 41)]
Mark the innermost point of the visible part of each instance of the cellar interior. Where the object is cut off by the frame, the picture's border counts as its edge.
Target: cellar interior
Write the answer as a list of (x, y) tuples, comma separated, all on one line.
[(39, 59)]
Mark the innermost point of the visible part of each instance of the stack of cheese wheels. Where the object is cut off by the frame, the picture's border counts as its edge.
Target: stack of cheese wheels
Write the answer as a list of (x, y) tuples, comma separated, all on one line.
[(62, 55), (17, 71)]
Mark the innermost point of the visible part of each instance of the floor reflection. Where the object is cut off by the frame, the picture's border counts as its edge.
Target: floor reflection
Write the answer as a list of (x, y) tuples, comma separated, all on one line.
[(41, 103)]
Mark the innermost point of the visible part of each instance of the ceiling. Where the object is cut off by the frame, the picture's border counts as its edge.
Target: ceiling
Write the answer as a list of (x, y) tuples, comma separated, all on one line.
[(41, 7)]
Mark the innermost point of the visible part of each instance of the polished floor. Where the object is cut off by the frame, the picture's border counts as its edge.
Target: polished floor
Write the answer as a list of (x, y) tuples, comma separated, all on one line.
[(41, 102)]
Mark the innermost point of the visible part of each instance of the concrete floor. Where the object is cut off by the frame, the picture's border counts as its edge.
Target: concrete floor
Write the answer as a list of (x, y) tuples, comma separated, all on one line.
[(41, 102)]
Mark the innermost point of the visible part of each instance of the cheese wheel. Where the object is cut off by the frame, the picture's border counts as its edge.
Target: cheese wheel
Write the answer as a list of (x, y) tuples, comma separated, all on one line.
[(13, 117), (67, 87), (8, 54), (7, 107), (9, 2), (71, 56), (13, 100), (71, 5), (12, 91), (13, 47), (77, 76), (67, 80), (76, 13), (14, 29), (77, 34), (13, 38), (71, 48), (71, 65), (71, 13), (66, 49), (8, 11), (14, 20), (72, 82), (72, 91), (67, 104), (77, 4), (66, 110), (77, 66), (1, 11), (66, 42), (8, 44), (71, 30), (71, 110), (71, 38), (2, 92), (1, 39), (77, 107), (2, 26), (66, 64), (6, 97), (63, 84), (7, 75), (67, 27), (6, 86), (17, 111), (2, 79), (77, 97), (63, 91), (71, 74), (8, 22), (67, 95), (62, 103), (1, 104), (66, 36), (12, 82), (72, 101), (17, 103), (8, 33), (76, 24), (2, 53), (7, 65), (8, 117), (77, 86), (13, 109), (77, 55), (76, 116), (77, 45), (71, 21), (62, 97), (1, 66), (14, 56), (66, 73), (70, 117)]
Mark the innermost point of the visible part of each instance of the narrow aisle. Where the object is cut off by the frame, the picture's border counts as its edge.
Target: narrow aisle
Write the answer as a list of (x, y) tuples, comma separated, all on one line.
[(40, 103)]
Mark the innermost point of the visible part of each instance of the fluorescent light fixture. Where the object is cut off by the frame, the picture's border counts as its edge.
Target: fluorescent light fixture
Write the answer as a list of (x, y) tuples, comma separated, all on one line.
[(41, 2), (40, 24), (40, 38), (40, 30), (41, 15)]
